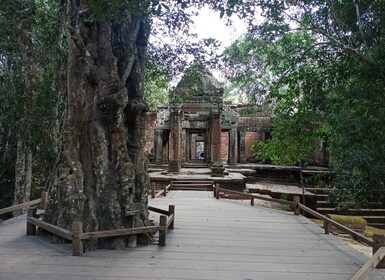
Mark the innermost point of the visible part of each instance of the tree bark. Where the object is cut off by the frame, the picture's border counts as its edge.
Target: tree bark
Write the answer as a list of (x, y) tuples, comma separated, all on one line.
[(23, 166), (102, 167)]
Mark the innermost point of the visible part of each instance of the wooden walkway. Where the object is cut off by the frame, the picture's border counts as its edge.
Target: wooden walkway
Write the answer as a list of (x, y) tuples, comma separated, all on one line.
[(212, 239)]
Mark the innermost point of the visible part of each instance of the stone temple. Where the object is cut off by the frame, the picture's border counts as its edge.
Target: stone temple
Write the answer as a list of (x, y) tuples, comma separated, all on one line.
[(197, 125), (198, 129)]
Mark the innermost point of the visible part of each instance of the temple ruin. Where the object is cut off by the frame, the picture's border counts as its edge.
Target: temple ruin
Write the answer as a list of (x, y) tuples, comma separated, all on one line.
[(198, 127)]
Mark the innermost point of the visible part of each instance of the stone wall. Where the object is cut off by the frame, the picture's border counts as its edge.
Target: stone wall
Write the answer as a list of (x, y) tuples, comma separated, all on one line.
[(251, 138), (225, 147), (255, 123)]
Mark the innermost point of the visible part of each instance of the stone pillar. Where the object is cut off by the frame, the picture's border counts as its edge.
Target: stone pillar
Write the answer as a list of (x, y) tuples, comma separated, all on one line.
[(174, 165), (183, 154), (217, 166), (159, 146), (207, 150), (188, 146), (232, 137), (242, 146)]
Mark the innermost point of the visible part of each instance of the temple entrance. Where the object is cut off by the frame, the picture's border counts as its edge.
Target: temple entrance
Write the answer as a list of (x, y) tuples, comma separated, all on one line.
[(200, 150), (197, 146)]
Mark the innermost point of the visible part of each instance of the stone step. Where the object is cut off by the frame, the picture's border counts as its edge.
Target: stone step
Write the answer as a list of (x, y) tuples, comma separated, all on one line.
[(192, 181), (192, 185), (191, 188)]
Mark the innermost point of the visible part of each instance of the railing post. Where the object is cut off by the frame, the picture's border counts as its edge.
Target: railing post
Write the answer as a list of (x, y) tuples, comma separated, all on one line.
[(44, 199), (162, 230), (217, 190), (378, 242), (77, 243), (132, 241), (326, 227), (31, 228), (153, 190), (252, 202), (171, 210), (165, 190), (296, 205)]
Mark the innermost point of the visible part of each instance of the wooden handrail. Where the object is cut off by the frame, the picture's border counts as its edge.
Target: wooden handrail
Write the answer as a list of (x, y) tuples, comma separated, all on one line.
[(42, 201), (19, 206), (51, 228), (158, 210), (170, 220), (118, 232), (371, 264), (254, 196), (354, 234), (161, 192), (77, 235)]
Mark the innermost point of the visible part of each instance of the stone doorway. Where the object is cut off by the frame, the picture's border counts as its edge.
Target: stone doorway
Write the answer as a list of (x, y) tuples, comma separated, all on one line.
[(197, 146)]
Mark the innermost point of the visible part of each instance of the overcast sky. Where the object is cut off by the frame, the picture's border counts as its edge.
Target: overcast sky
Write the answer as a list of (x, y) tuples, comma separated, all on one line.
[(208, 24)]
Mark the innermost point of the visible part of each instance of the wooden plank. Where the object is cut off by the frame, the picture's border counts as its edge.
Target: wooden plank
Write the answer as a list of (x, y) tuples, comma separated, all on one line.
[(354, 234), (19, 206), (158, 210), (159, 194), (213, 240), (119, 232), (162, 230), (170, 221), (171, 211), (51, 228), (370, 265), (77, 243)]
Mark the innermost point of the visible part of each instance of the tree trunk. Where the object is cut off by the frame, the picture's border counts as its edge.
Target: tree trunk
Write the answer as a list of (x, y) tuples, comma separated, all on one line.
[(102, 167), (23, 166)]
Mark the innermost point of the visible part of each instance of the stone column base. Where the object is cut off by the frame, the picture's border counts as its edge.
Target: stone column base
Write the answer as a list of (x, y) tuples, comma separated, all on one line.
[(174, 166), (217, 170), (232, 162)]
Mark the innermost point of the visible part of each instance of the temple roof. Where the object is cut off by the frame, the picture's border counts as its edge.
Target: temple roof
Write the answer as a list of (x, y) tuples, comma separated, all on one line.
[(198, 85)]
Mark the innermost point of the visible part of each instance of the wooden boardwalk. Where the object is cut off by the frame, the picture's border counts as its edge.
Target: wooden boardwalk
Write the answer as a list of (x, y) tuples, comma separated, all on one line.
[(212, 239)]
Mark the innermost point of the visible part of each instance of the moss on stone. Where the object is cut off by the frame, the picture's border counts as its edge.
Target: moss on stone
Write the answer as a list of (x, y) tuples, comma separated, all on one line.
[(353, 222), (370, 231)]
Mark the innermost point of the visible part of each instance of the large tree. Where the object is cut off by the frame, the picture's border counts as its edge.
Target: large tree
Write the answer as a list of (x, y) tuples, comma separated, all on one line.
[(102, 167)]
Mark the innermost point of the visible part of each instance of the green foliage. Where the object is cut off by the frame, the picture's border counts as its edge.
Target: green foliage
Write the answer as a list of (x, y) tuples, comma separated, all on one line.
[(155, 87), (249, 111), (358, 146), (297, 132), (49, 51), (338, 76)]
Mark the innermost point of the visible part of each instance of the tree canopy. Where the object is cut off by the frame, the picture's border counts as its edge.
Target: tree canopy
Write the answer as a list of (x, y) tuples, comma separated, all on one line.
[(322, 63)]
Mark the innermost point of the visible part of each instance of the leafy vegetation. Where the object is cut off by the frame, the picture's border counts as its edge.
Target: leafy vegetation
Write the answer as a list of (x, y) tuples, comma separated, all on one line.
[(46, 107), (322, 63)]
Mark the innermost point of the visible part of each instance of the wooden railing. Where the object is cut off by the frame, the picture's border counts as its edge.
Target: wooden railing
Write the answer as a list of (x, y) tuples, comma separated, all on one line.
[(374, 262), (161, 192), (76, 235), (42, 201), (252, 197), (377, 244)]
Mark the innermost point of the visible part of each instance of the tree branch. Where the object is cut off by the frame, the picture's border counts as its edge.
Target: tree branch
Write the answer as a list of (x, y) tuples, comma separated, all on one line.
[(359, 23)]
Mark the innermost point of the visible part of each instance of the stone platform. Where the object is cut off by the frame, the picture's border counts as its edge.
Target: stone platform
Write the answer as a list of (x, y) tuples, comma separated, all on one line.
[(230, 180)]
